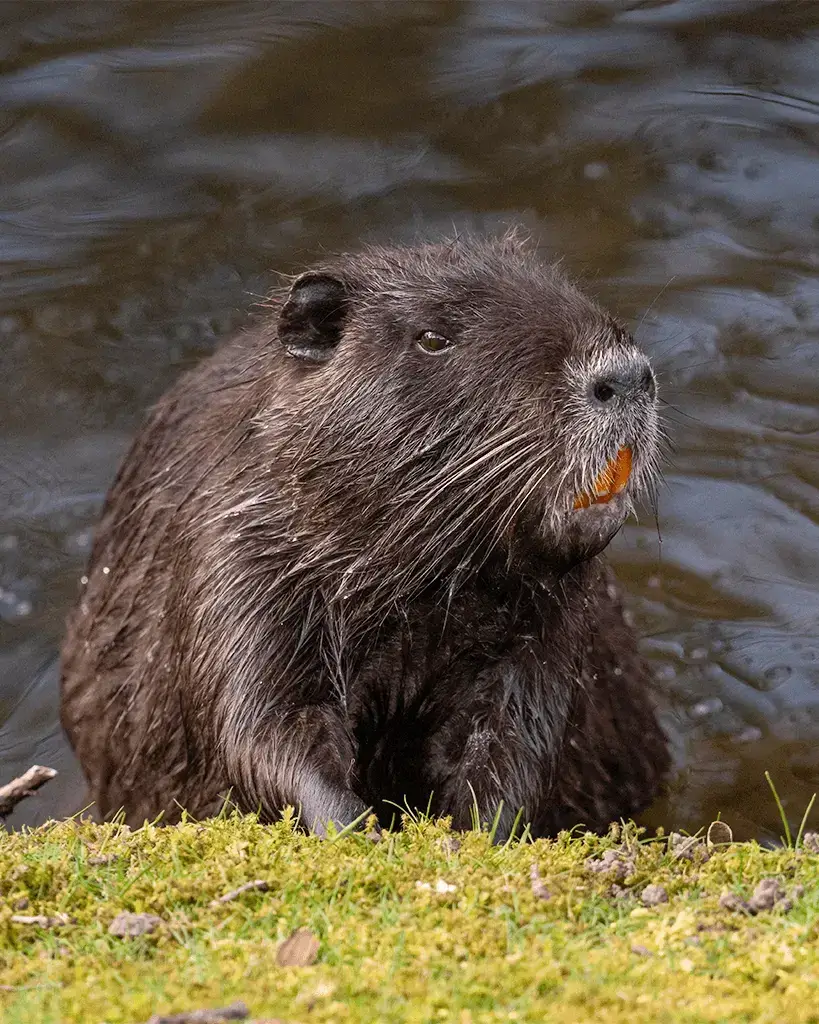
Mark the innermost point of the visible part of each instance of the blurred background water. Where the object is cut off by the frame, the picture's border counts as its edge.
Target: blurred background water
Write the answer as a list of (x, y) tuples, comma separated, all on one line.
[(160, 162)]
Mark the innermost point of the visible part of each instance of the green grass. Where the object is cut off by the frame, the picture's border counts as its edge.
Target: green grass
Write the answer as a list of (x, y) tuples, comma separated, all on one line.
[(391, 949)]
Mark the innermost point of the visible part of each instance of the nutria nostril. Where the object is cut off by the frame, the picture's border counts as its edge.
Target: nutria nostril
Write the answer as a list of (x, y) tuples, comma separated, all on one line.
[(625, 382), (647, 382)]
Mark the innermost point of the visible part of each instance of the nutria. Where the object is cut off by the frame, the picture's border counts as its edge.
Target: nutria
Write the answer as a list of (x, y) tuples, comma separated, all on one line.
[(352, 560)]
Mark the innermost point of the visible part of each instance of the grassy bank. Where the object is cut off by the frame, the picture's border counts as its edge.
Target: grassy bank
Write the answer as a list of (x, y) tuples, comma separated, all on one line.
[(421, 926)]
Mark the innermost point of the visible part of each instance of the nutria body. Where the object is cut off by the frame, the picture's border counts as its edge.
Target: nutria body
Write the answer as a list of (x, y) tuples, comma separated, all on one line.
[(342, 566)]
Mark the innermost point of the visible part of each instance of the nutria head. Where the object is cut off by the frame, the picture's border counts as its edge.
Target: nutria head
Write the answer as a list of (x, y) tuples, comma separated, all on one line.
[(455, 401)]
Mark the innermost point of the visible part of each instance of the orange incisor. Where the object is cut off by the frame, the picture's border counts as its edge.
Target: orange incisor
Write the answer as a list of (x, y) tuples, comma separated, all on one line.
[(610, 482)]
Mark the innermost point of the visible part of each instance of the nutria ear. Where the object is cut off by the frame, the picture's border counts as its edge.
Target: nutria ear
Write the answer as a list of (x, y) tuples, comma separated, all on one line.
[(312, 317)]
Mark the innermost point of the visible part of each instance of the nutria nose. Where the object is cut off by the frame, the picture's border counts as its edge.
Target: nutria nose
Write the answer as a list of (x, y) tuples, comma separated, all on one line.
[(626, 383)]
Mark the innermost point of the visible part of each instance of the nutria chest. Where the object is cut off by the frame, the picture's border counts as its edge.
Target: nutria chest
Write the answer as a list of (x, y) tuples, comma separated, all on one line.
[(448, 687)]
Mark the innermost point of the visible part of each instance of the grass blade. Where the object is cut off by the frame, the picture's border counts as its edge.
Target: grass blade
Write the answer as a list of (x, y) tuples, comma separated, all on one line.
[(804, 821), (782, 815)]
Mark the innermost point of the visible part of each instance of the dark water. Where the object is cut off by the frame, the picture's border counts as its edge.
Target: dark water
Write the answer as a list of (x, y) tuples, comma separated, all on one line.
[(159, 162)]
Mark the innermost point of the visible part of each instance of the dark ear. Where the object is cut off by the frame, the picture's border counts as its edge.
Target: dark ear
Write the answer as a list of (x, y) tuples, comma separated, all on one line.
[(311, 319)]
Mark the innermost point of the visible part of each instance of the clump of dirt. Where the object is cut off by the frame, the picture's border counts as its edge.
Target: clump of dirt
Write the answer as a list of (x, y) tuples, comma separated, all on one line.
[(769, 895), (618, 863), (693, 848), (810, 841), (617, 892), (653, 895)]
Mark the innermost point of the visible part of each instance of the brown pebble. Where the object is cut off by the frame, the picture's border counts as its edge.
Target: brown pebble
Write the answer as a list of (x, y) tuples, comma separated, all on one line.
[(653, 895), (450, 844), (299, 950), (127, 926), (21, 904), (641, 950)]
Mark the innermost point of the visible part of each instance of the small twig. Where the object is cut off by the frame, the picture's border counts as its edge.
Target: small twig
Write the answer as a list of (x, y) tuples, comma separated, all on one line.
[(98, 859), (42, 921), (18, 789), (259, 884), (236, 1011), (28, 988)]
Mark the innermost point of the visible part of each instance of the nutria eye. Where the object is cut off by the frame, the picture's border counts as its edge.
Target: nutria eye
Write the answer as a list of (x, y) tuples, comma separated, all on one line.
[(433, 343), (603, 392)]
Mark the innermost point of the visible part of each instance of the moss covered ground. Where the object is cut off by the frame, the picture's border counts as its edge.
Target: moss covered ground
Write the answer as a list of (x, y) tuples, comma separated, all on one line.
[(422, 925)]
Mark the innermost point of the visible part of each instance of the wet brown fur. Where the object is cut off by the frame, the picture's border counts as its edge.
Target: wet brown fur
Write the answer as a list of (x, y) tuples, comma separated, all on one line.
[(345, 579)]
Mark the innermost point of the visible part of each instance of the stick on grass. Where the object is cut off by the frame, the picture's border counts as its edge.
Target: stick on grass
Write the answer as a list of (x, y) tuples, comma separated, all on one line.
[(18, 789)]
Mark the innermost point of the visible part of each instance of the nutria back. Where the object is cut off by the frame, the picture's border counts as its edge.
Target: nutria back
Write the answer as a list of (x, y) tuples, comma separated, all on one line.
[(354, 559)]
